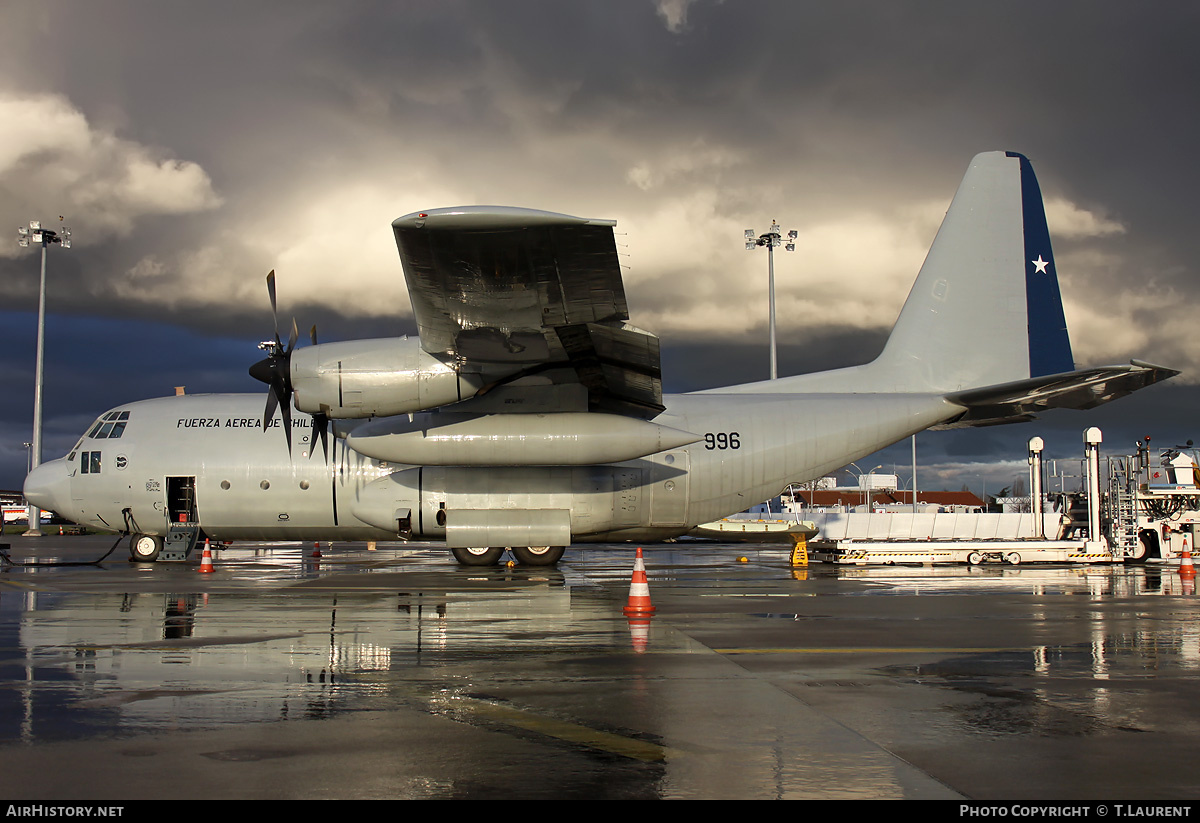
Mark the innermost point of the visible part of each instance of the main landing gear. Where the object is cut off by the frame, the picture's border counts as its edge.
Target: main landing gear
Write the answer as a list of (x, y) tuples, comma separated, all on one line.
[(525, 555)]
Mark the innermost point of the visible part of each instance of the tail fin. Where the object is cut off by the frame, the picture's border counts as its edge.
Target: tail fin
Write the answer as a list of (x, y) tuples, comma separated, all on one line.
[(986, 307), (984, 324)]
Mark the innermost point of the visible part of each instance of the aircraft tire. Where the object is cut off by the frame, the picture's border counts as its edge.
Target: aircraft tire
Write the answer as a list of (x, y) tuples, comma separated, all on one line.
[(538, 555), (489, 556), (144, 548)]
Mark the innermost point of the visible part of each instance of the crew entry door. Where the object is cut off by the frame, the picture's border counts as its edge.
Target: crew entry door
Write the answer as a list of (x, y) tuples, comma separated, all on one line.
[(181, 500), (183, 526)]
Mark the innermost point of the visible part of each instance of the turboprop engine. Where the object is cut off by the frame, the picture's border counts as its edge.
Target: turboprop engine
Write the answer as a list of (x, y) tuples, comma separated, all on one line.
[(374, 378), (552, 439)]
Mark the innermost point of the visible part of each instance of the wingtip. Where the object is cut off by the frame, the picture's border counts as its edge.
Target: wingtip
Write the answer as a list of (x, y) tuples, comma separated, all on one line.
[(1161, 372)]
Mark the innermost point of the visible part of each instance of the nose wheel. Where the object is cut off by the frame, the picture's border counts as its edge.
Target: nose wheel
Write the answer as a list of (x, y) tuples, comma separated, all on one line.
[(144, 548)]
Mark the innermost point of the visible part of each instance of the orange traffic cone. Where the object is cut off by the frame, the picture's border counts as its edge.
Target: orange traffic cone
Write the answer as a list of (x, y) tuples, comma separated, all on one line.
[(639, 633), (1186, 569), (316, 550), (639, 591), (206, 564)]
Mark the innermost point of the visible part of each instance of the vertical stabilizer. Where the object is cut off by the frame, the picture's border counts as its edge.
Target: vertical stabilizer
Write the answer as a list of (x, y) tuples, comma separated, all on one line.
[(983, 326), (986, 307)]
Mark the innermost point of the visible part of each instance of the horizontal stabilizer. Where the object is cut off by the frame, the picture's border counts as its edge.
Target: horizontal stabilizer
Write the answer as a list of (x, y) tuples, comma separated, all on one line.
[(1083, 389)]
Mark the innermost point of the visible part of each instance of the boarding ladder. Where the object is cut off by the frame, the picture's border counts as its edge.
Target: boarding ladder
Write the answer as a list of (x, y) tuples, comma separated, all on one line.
[(1120, 507)]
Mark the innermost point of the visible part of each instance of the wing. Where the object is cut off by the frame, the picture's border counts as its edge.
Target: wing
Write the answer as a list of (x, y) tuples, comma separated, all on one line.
[(516, 293)]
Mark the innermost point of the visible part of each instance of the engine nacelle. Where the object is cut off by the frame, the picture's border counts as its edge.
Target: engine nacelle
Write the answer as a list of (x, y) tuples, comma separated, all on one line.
[(374, 378)]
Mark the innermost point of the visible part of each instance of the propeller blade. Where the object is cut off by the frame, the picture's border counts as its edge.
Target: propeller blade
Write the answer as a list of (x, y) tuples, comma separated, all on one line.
[(274, 311), (276, 370), (321, 423), (312, 334), (269, 413), (285, 406)]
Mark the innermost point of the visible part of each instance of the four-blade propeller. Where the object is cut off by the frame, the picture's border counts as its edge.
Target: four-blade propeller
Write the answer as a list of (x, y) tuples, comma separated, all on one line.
[(276, 371)]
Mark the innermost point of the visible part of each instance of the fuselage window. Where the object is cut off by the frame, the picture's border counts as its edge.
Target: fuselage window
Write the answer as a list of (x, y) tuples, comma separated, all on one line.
[(89, 462)]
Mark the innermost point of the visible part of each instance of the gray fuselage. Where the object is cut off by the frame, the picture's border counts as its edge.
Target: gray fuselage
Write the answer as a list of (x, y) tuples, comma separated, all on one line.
[(209, 455)]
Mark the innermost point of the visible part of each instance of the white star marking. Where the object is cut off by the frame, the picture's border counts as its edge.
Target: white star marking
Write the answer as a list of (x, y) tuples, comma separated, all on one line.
[(1040, 264)]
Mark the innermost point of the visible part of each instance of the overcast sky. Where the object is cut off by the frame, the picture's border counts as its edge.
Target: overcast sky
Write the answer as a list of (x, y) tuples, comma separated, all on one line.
[(194, 146)]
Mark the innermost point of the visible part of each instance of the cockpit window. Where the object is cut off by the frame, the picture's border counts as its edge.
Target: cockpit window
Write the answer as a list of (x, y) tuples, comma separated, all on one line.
[(110, 426)]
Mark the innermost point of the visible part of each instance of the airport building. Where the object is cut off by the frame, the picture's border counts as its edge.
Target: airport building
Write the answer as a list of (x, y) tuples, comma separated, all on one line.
[(827, 497)]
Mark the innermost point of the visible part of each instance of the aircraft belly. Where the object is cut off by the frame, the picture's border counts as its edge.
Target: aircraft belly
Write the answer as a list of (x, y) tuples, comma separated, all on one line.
[(586, 493), (593, 498)]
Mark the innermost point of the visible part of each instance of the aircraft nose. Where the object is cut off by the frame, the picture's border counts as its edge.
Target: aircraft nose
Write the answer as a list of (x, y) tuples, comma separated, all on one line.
[(48, 486)]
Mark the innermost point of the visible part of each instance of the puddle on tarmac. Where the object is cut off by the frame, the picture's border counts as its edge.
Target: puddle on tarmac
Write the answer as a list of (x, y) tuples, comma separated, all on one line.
[(75, 663)]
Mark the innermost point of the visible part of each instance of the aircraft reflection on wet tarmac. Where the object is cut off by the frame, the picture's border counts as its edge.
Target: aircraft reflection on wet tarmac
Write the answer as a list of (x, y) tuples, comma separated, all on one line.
[(754, 679)]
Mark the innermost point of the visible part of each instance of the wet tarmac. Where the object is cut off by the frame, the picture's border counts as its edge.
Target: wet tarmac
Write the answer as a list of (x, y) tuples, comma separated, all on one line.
[(396, 674)]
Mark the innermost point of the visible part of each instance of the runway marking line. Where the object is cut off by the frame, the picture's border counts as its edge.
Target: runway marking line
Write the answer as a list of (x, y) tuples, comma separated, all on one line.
[(570, 732), (868, 650)]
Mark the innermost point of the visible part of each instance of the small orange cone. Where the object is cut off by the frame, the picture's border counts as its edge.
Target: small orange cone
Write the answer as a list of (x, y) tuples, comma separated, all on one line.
[(639, 591), (1186, 569), (316, 550), (639, 634), (206, 564)]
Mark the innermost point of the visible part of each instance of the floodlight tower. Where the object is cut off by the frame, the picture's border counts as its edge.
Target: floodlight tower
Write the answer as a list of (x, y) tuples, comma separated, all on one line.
[(771, 239), (45, 238)]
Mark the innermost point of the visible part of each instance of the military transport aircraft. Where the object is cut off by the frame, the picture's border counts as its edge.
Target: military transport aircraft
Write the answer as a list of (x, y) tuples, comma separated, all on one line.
[(529, 415)]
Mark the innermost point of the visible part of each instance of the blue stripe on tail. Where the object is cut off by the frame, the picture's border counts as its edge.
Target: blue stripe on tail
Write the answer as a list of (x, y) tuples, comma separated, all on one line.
[(1049, 345)]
